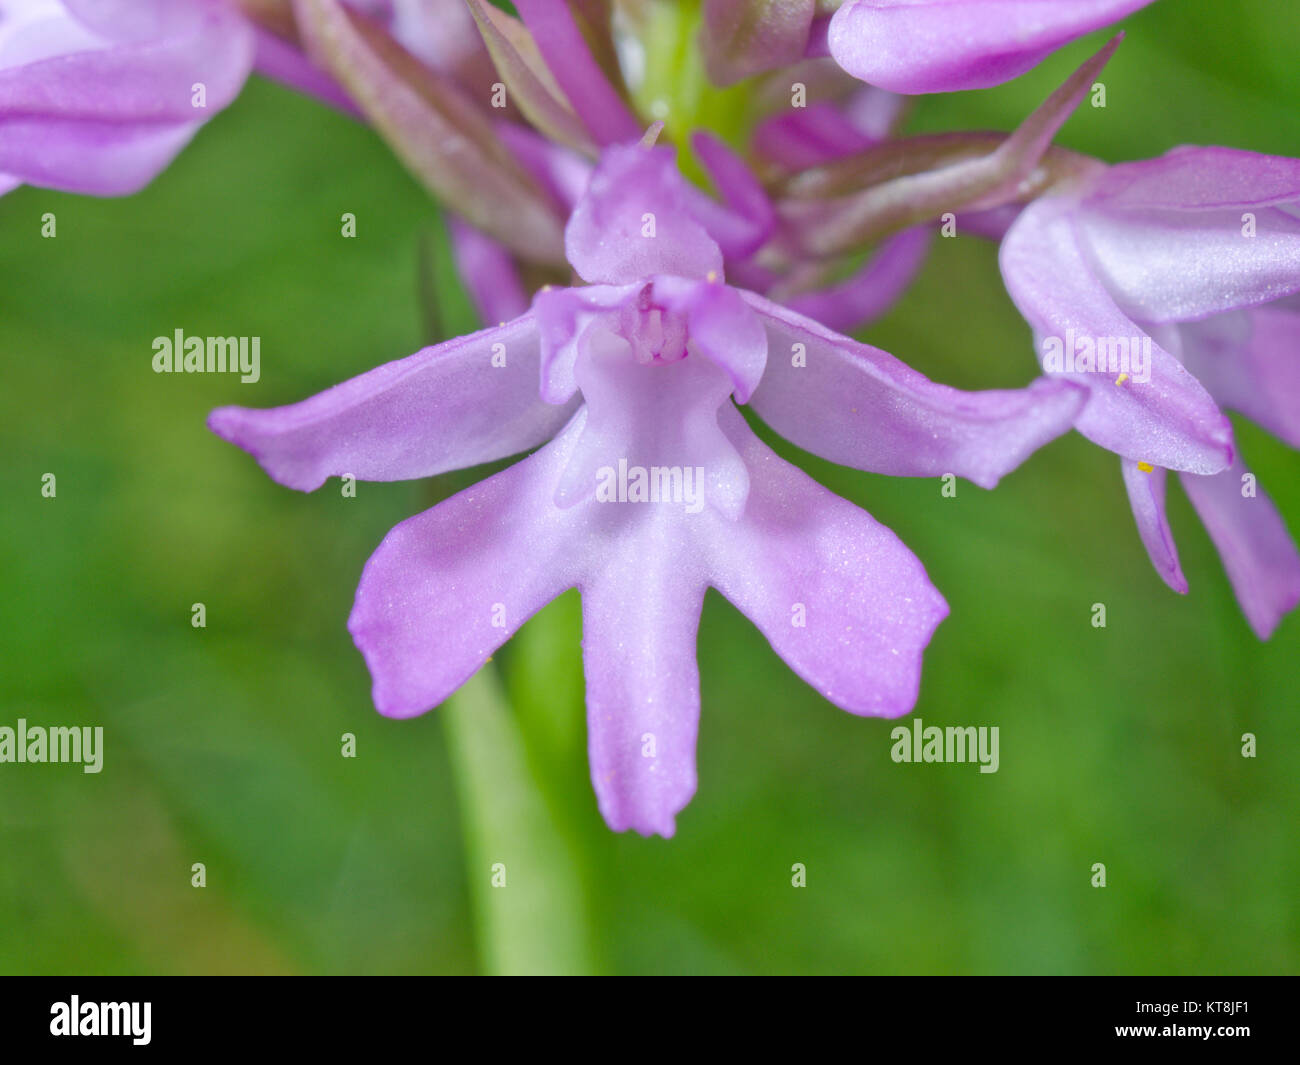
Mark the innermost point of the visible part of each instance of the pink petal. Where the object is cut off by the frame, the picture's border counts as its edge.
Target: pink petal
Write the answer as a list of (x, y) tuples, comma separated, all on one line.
[(91, 157), (1250, 362), (811, 136), (1146, 494), (147, 78), (569, 59), (1194, 178), (635, 222), (448, 587), (101, 102), (488, 273), (652, 414), (870, 292), (837, 594), (565, 318), (920, 46), (857, 405), (1170, 420), (1175, 265), (443, 408), (742, 223), (1257, 551), (640, 615), (721, 326)]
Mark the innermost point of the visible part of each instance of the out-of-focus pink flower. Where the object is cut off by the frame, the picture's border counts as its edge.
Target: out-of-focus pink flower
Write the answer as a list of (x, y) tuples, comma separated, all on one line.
[(919, 46), (98, 97), (1168, 287)]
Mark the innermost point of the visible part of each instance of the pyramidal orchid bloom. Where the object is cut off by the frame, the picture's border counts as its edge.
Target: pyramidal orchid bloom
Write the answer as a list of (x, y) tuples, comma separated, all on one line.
[(651, 489), (1169, 287), (924, 46)]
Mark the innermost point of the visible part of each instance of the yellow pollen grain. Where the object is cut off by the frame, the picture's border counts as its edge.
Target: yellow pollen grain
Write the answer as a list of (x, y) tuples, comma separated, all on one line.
[(1121, 379), (1145, 467)]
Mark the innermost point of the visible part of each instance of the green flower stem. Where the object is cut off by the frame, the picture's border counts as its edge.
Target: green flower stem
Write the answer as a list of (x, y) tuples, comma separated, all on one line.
[(526, 887)]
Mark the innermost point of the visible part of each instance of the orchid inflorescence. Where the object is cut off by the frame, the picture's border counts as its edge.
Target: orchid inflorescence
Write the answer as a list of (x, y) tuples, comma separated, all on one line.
[(632, 315)]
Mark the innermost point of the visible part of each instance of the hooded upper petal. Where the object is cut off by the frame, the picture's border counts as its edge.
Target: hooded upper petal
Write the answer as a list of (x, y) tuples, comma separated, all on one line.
[(467, 401), (635, 222), (919, 46), (857, 405), (657, 317)]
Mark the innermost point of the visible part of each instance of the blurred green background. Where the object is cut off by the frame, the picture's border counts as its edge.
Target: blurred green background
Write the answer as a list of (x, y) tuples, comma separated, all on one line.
[(222, 745)]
